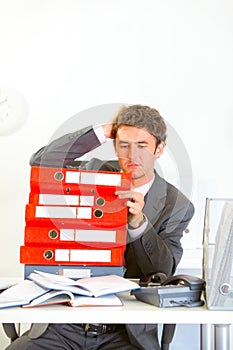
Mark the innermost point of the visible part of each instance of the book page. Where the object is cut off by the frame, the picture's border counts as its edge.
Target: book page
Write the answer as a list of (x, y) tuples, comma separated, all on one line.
[(21, 293), (103, 285), (51, 297), (106, 300), (47, 283), (61, 297), (91, 286)]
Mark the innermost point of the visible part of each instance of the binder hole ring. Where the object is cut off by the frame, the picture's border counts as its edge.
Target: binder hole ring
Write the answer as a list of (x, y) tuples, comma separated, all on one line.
[(48, 254), (53, 234), (100, 201), (98, 213), (225, 289), (58, 176)]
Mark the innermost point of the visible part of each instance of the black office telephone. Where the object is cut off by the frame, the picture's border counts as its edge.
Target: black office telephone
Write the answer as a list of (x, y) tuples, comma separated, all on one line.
[(178, 290)]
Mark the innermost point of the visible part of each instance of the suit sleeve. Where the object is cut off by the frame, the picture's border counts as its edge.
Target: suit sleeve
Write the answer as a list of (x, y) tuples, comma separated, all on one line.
[(60, 152), (159, 248)]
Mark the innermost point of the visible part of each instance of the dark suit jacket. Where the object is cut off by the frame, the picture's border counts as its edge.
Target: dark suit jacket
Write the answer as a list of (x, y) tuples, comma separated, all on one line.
[(168, 212)]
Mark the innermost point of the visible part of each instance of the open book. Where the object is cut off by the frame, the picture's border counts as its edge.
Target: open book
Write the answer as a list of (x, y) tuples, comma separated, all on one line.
[(61, 297), (91, 286), (45, 288)]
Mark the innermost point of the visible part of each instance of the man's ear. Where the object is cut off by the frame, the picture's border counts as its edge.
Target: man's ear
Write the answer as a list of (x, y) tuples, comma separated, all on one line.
[(159, 149)]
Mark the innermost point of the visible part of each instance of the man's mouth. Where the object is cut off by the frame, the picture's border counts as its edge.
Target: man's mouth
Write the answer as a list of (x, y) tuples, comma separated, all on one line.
[(133, 165)]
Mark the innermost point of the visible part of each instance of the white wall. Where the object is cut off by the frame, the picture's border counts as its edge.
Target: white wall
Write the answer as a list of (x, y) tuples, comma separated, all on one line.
[(66, 56)]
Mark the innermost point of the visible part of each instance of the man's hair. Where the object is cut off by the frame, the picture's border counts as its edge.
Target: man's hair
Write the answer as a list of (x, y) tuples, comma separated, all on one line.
[(141, 117)]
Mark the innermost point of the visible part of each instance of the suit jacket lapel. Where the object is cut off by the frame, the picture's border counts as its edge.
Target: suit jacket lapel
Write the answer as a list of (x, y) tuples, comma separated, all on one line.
[(155, 199)]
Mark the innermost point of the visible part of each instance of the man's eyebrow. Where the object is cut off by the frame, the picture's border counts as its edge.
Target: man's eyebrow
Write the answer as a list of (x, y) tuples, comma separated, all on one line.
[(138, 142), (142, 142)]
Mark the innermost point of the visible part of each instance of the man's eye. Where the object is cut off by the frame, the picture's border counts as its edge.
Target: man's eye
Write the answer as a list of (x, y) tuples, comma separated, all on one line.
[(124, 146)]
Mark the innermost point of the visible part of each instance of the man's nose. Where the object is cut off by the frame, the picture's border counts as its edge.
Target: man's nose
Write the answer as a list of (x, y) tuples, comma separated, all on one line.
[(133, 151)]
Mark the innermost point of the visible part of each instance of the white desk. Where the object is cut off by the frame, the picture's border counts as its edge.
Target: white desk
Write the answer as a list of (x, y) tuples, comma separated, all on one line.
[(133, 311)]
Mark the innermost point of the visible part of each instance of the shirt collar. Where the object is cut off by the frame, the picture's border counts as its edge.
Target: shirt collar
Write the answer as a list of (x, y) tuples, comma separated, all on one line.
[(145, 188)]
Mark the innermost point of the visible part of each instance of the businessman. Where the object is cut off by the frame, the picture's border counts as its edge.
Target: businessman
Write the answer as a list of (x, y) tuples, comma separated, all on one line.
[(158, 215)]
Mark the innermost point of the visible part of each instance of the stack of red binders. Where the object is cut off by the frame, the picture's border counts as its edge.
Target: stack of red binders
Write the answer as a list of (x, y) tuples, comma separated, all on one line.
[(74, 220)]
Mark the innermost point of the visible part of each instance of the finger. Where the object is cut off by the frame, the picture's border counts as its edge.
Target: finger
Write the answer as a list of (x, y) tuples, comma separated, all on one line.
[(134, 196), (134, 211), (134, 208), (124, 194)]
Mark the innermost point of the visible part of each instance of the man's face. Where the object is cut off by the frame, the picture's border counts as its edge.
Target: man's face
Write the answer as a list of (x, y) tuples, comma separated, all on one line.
[(136, 151)]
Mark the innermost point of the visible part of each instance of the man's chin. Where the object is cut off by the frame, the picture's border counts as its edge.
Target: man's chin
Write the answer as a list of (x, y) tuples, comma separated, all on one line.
[(136, 174)]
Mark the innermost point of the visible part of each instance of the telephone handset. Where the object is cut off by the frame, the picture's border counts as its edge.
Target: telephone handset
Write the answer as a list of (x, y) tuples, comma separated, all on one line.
[(178, 290), (193, 282)]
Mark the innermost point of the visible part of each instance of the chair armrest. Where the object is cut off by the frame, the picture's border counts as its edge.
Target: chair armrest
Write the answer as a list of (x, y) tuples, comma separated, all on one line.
[(10, 330)]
